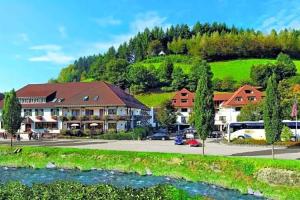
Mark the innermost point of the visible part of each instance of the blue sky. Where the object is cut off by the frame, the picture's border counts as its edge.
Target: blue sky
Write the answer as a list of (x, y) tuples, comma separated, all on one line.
[(38, 38)]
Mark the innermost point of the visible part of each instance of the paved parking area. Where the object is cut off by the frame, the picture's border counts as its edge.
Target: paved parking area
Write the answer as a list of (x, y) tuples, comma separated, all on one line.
[(213, 147)]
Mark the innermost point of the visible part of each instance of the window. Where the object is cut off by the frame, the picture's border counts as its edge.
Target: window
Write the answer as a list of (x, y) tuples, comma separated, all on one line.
[(112, 111), (27, 112), (222, 118), (39, 112), (46, 125), (112, 126), (55, 112), (248, 91), (252, 98), (237, 108), (183, 120), (89, 112), (75, 113), (238, 98), (86, 98), (183, 94), (184, 100), (174, 101), (96, 98), (184, 109)]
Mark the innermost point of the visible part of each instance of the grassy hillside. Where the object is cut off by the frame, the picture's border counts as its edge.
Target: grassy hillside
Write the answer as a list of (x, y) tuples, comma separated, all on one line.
[(154, 99), (238, 69)]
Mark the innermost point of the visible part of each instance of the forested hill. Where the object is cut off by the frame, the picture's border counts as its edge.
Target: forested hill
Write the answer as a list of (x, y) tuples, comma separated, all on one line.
[(212, 42)]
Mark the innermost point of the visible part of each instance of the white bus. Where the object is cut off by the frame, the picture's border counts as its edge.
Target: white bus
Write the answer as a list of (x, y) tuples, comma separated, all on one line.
[(255, 130)]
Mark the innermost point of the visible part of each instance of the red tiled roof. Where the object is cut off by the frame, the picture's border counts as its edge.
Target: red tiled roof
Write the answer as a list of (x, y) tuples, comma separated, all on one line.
[(228, 99), (179, 100), (241, 97), (98, 93), (222, 96)]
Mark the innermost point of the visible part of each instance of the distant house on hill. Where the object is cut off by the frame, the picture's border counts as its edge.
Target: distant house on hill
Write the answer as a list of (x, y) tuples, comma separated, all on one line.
[(162, 53), (227, 105)]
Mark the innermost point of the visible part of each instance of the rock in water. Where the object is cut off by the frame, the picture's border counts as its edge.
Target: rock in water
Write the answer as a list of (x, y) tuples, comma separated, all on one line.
[(51, 165), (250, 191), (258, 193), (148, 172)]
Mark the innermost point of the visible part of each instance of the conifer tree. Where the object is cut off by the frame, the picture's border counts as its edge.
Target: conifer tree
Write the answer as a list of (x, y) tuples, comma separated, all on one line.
[(204, 105), (11, 113), (272, 113)]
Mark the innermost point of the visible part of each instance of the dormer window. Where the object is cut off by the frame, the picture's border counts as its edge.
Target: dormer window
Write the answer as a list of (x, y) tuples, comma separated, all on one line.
[(184, 100), (96, 98), (184, 94), (252, 98), (85, 98), (238, 98)]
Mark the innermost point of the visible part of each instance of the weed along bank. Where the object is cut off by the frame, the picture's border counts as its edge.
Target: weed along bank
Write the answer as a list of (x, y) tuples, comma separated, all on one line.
[(50, 108)]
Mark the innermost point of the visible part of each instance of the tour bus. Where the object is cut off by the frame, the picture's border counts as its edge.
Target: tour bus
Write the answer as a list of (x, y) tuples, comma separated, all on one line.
[(255, 130)]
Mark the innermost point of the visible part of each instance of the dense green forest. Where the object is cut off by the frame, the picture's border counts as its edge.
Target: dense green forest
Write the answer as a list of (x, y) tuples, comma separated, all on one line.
[(211, 42)]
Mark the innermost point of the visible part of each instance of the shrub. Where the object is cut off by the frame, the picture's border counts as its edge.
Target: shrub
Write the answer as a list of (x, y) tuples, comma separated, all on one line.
[(116, 136), (140, 133), (72, 190), (167, 89), (286, 134)]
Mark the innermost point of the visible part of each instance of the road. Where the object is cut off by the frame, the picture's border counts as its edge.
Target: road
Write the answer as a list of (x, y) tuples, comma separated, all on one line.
[(213, 147)]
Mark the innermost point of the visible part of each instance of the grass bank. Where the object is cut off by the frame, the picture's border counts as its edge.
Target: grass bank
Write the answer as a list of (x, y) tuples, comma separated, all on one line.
[(221, 69), (235, 173)]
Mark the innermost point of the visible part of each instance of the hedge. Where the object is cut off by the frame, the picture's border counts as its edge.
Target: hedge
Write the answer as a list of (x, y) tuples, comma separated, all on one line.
[(72, 190)]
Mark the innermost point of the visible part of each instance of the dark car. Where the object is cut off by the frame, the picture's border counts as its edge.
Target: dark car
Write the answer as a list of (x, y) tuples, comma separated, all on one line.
[(179, 140), (159, 136), (216, 134)]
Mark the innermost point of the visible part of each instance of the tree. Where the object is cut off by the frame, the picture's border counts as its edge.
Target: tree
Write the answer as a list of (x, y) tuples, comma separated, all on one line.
[(251, 112), (283, 68), (165, 73), (178, 79), (141, 79), (166, 115), (204, 105), (194, 76), (11, 113), (272, 113), (116, 72), (154, 47)]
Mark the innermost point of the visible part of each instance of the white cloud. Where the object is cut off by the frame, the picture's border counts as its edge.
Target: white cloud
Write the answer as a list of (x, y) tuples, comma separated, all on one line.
[(141, 21), (54, 57), (24, 37), (148, 20), (107, 21), (46, 47), (62, 31), (286, 17), (50, 53)]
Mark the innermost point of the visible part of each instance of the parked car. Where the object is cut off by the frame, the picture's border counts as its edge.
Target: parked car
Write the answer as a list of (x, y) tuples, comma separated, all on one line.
[(179, 140), (159, 136), (189, 133), (216, 134), (193, 143)]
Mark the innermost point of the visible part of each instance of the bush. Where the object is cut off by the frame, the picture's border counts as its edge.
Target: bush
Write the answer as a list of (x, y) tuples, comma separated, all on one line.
[(72, 190), (286, 134), (249, 141), (167, 89), (141, 133), (116, 136)]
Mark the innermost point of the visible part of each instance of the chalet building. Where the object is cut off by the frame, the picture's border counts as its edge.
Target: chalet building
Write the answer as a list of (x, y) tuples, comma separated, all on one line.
[(53, 107), (227, 105)]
